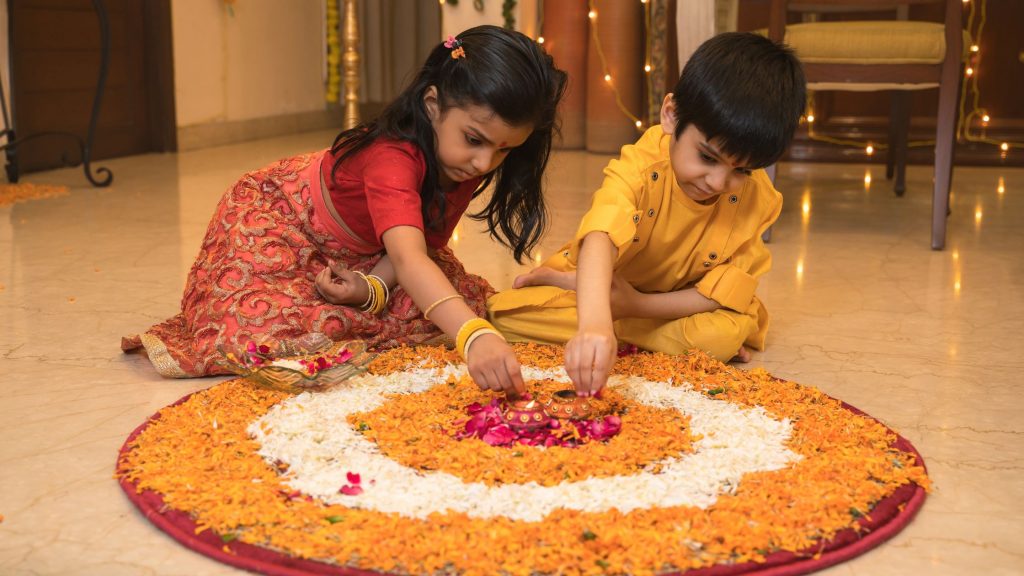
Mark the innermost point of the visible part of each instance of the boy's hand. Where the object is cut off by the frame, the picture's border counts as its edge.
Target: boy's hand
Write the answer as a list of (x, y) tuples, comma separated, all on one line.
[(589, 358), (624, 298), (493, 366), (339, 285)]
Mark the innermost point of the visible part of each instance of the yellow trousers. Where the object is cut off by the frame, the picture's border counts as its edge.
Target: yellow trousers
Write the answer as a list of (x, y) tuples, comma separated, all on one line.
[(547, 314)]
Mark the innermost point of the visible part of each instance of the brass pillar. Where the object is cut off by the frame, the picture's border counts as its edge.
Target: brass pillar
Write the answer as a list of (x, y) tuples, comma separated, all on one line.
[(350, 62)]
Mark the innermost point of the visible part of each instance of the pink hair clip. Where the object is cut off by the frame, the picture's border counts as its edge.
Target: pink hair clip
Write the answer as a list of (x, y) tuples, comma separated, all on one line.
[(456, 45)]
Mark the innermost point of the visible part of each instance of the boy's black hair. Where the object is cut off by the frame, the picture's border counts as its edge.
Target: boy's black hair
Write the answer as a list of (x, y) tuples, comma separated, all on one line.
[(502, 70), (746, 91)]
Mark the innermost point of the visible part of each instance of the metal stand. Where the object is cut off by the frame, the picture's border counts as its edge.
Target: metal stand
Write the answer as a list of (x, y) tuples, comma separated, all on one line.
[(84, 146)]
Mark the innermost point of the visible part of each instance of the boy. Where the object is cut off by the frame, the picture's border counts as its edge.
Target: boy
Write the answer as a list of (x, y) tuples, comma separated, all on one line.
[(669, 255)]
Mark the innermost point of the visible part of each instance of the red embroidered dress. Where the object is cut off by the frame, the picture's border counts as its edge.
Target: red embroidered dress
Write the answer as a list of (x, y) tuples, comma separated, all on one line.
[(272, 232)]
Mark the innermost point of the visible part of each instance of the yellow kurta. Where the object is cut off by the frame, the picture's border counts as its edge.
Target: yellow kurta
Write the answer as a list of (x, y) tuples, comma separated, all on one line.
[(666, 242)]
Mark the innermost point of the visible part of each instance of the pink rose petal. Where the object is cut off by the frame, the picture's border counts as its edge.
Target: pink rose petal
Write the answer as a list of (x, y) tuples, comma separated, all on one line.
[(348, 490)]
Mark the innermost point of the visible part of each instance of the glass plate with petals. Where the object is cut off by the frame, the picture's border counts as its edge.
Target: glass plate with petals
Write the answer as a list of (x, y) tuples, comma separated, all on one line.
[(312, 362)]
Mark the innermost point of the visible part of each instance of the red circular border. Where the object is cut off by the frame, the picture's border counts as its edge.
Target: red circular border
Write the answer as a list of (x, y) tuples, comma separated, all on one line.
[(886, 519)]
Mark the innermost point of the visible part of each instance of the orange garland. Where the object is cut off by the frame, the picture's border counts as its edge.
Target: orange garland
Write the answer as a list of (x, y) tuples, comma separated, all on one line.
[(198, 456)]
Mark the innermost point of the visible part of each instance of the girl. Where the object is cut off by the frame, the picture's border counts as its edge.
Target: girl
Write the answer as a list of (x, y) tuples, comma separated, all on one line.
[(352, 241)]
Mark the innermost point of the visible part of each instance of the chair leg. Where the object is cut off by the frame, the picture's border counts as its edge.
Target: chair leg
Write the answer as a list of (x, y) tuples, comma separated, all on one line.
[(766, 237), (949, 93), (899, 130)]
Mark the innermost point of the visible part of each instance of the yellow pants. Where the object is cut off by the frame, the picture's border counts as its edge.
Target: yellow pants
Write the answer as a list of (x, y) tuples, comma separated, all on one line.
[(547, 314)]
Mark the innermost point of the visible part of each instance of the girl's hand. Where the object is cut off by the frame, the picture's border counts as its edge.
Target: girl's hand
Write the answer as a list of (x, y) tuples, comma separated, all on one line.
[(339, 285), (493, 366), (589, 357)]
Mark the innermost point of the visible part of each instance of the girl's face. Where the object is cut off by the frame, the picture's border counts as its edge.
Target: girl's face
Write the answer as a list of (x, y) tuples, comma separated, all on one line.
[(701, 169), (470, 141)]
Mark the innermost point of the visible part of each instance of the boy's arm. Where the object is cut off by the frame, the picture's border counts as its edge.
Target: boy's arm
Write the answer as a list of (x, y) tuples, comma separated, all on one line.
[(627, 302), (590, 354)]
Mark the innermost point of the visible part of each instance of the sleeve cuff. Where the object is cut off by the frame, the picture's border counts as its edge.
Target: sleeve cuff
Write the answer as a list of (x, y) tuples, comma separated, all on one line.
[(729, 286), (609, 219)]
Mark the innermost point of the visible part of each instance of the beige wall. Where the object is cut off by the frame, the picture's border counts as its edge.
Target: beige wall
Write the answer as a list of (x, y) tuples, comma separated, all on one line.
[(265, 60), (464, 15)]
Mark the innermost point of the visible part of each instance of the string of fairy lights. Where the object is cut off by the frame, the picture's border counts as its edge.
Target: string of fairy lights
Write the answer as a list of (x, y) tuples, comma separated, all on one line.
[(592, 16), (972, 114), (969, 119)]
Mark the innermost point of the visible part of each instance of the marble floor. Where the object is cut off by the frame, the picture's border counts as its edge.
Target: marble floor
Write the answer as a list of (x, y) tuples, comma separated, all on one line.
[(925, 341)]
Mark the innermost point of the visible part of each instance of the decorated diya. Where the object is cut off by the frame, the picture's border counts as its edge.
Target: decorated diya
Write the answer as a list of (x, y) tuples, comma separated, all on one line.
[(566, 405), (525, 414)]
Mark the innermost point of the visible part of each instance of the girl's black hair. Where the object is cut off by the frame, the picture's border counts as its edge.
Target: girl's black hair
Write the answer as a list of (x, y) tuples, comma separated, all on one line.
[(745, 90), (502, 70)]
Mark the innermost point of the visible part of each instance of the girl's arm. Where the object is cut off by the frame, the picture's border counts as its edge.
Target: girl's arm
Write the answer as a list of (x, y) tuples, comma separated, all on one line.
[(491, 361), (590, 354)]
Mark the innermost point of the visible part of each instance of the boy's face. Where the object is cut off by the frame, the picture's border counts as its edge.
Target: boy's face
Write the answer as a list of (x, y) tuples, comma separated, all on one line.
[(701, 169)]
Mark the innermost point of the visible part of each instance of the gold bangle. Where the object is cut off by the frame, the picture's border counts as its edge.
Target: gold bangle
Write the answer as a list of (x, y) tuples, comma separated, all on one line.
[(472, 338), (372, 296), (380, 294), (386, 292), (467, 330), (438, 302)]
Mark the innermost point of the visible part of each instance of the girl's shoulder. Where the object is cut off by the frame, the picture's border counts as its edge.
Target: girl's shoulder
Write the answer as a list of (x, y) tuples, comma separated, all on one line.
[(385, 153)]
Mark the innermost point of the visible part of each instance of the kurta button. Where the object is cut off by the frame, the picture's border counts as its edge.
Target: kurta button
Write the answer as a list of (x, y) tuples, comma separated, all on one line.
[(654, 176), (636, 218), (707, 264), (650, 213), (713, 256), (566, 253), (734, 199)]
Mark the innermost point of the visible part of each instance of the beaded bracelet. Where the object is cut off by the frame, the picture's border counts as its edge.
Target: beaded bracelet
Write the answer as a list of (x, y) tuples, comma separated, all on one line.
[(468, 329)]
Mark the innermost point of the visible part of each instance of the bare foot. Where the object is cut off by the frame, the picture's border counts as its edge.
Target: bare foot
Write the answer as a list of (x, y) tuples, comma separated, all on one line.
[(743, 356), (544, 276)]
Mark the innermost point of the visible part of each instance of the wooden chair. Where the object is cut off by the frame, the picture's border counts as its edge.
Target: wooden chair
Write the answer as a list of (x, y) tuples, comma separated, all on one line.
[(898, 55)]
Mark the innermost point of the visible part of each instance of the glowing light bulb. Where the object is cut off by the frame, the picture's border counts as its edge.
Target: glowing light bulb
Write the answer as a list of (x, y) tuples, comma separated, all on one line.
[(985, 118), (974, 48), (592, 14), (869, 150), (867, 179), (969, 71), (607, 77), (647, 67), (540, 39), (639, 124), (1005, 146), (810, 118)]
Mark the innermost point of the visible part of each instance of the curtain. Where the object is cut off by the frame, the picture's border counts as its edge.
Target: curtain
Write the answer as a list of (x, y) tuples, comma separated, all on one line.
[(395, 37)]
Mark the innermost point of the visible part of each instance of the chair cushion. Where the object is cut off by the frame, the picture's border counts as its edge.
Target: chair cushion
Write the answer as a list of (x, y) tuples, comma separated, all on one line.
[(871, 42)]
